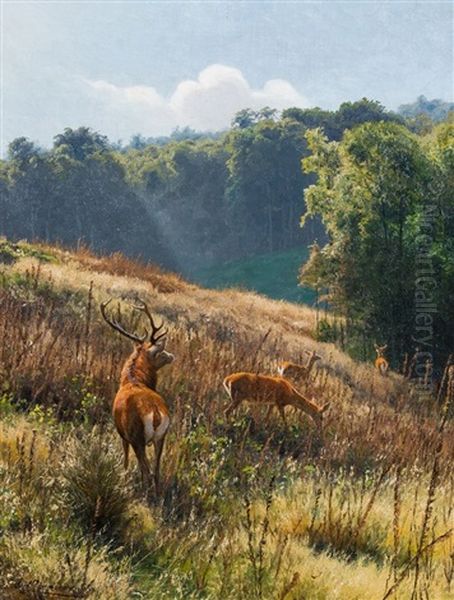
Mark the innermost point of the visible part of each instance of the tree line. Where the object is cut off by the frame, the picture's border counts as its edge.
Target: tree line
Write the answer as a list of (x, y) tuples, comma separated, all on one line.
[(184, 201), (375, 191)]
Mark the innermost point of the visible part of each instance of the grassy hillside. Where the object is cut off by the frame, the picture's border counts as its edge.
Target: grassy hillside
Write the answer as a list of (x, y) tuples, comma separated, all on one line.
[(250, 508), (275, 275)]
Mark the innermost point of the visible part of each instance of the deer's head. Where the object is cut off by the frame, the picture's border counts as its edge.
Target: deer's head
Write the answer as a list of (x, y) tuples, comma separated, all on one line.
[(150, 346), (380, 350)]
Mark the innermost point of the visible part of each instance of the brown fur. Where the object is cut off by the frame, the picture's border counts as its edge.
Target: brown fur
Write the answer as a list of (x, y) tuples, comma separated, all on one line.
[(381, 364), (136, 399), (138, 410), (273, 391)]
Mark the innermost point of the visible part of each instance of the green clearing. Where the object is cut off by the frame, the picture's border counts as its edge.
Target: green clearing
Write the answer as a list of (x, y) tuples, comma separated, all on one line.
[(275, 275)]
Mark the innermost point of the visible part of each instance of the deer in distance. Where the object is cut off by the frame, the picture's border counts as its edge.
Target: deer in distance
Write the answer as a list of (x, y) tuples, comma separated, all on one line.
[(381, 364), (300, 373), (271, 391), (140, 414)]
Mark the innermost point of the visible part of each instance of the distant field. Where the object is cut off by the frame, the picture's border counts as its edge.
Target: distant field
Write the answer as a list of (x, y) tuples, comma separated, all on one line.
[(275, 275)]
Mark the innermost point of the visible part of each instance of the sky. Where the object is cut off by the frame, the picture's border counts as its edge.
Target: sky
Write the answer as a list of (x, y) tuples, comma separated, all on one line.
[(126, 67)]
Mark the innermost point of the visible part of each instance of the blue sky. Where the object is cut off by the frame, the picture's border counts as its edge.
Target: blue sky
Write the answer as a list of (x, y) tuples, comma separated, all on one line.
[(128, 67)]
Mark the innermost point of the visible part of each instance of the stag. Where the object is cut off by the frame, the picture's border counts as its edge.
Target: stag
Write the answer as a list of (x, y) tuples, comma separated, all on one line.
[(140, 414), (381, 364)]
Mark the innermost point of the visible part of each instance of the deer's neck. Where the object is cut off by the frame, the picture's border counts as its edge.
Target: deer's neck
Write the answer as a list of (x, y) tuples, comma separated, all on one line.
[(138, 372), (310, 364), (304, 403)]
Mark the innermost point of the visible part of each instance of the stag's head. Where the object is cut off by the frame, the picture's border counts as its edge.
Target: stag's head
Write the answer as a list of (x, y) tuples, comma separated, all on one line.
[(151, 345), (380, 350)]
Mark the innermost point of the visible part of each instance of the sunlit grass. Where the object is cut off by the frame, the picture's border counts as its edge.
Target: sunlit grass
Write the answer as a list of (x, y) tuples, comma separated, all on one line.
[(250, 508)]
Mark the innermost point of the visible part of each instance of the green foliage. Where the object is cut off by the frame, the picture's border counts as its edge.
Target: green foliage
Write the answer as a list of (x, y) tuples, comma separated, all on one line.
[(247, 117), (94, 486), (377, 193), (10, 252), (206, 473), (348, 116), (80, 143), (22, 150), (265, 185)]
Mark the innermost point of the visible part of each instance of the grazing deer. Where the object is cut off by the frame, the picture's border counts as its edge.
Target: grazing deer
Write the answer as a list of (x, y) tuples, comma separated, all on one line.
[(380, 362), (140, 414), (273, 391), (299, 372)]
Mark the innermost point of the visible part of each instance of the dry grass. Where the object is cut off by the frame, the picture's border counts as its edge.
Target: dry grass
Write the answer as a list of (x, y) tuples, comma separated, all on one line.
[(344, 515)]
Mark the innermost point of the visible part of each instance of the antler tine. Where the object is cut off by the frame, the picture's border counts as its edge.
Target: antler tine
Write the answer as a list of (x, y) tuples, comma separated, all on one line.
[(115, 325), (154, 329)]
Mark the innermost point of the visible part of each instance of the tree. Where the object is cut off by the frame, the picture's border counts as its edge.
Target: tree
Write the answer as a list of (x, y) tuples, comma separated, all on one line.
[(29, 193), (372, 192), (248, 118), (440, 147), (313, 118), (81, 143), (244, 118), (351, 114), (265, 184), (348, 115), (21, 150)]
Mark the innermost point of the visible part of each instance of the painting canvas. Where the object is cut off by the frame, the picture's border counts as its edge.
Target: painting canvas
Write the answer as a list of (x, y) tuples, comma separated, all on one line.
[(226, 299)]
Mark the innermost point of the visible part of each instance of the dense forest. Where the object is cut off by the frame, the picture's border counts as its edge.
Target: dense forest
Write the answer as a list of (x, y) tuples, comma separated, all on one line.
[(181, 201)]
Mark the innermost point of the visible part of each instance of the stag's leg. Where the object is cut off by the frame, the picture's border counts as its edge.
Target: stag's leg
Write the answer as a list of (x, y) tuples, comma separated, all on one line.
[(126, 453), (282, 413), (230, 409), (233, 406), (158, 446), (140, 452), (268, 412)]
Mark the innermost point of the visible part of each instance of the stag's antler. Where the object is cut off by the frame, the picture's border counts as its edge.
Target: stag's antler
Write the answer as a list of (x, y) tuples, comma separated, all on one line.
[(143, 307), (380, 348), (115, 325)]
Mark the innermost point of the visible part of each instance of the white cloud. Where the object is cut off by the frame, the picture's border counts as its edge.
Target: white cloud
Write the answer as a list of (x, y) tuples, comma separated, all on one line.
[(207, 103)]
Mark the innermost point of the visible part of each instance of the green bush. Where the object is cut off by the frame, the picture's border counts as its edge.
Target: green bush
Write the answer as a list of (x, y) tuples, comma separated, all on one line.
[(95, 488)]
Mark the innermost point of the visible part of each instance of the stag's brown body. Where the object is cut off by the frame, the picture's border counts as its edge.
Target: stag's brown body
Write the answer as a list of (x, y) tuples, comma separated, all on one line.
[(140, 414), (269, 390)]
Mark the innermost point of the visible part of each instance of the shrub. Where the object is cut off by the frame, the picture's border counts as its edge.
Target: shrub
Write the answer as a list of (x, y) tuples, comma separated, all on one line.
[(95, 488)]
